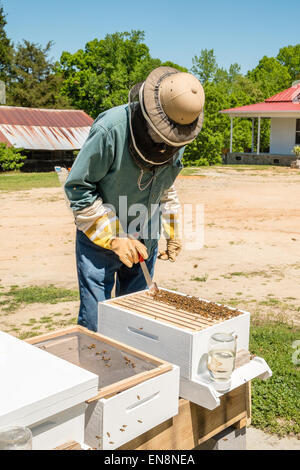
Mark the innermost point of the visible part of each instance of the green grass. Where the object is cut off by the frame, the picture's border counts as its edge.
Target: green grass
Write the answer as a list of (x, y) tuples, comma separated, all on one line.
[(189, 171), (250, 167), (29, 334), (17, 181), (266, 274), (17, 296), (276, 402), (200, 279), (271, 302)]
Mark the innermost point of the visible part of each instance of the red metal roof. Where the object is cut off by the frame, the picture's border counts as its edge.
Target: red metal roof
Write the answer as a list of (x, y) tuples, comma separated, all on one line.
[(285, 96), (44, 129), (266, 107), (287, 101), (44, 117)]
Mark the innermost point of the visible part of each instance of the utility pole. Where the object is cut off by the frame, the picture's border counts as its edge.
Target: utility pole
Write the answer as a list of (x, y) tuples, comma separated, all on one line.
[(2, 92)]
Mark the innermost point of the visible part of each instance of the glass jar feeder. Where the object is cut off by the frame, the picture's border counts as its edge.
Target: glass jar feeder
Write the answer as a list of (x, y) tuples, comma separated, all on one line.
[(15, 438), (221, 359)]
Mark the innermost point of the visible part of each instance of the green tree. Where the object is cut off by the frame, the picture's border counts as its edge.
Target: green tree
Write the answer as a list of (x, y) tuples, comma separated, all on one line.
[(100, 76), (206, 149), (169, 63), (35, 82), (228, 89), (271, 76), (205, 65), (10, 158), (6, 49), (290, 57)]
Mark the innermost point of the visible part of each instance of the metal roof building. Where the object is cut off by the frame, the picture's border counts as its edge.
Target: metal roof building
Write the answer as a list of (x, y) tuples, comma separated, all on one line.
[(46, 135), (283, 104), (284, 111)]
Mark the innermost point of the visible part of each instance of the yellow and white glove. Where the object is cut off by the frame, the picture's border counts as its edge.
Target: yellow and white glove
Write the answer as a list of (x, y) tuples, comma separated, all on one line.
[(173, 249), (128, 250), (170, 221), (101, 225)]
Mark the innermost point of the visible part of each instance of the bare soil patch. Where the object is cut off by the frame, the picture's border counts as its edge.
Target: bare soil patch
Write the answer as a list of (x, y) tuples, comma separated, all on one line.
[(250, 258)]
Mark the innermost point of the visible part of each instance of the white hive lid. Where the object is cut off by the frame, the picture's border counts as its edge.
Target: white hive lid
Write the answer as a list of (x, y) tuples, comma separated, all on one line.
[(36, 384)]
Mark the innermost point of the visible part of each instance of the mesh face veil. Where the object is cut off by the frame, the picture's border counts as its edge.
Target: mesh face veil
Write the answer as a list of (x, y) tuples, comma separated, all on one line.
[(148, 151), (165, 114)]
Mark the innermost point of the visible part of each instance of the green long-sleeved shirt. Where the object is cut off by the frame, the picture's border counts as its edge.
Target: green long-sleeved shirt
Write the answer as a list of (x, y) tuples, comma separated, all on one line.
[(104, 168)]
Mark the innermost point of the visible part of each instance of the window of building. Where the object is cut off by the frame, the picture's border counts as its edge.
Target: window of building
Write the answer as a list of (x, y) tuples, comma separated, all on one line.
[(298, 131)]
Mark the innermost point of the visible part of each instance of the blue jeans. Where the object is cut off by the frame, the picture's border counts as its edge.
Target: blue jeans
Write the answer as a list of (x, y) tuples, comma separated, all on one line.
[(96, 269)]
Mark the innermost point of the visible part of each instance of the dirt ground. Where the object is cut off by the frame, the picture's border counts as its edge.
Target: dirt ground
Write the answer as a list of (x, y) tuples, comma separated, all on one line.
[(250, 257)]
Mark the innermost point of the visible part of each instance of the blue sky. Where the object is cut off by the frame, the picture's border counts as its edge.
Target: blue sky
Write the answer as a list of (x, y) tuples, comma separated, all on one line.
[(240, 31)]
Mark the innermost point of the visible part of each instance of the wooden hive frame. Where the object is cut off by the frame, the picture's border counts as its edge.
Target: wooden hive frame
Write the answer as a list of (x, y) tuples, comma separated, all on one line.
[(143, 304), (117, 387)]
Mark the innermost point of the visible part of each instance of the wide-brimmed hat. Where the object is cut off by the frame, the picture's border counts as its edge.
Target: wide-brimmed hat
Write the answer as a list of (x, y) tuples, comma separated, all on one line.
[(172, 102), (169, 104)]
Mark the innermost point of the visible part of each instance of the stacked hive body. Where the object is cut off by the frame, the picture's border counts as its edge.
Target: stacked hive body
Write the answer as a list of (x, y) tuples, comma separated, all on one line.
[(43, 392), (177, 335), (172, 333), (136, 391)]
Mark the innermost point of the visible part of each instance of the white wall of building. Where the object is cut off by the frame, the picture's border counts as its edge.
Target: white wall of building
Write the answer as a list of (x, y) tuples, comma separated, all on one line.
[(283, 135)]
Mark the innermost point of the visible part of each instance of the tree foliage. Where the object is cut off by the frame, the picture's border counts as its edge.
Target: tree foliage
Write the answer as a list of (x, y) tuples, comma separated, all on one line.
[(271, 76), (34, 81), (289, 57), (6, 49), (205, 66), (225, 89), (10, 158), (100, 76)]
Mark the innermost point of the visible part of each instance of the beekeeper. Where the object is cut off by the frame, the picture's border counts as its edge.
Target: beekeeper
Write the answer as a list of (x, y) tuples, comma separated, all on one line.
[(121, 186)]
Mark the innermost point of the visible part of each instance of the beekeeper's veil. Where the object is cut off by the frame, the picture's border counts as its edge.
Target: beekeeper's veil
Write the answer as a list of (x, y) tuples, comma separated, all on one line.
[(165, 114)]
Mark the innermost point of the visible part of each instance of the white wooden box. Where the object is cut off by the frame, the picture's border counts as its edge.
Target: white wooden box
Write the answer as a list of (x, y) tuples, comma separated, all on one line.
[(42, 392), (141, 322), (175, 335), (136, 391)]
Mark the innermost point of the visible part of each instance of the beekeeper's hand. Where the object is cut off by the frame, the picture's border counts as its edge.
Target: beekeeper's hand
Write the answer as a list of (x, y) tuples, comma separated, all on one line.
[(173, 249), (128, 250)]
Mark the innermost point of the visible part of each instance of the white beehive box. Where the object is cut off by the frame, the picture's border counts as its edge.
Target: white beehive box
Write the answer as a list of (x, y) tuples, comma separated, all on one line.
[(42, 392), (136, 391), (179, 337)]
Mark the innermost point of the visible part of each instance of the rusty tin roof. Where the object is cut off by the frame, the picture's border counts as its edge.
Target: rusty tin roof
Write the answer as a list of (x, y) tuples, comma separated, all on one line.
[(44, 129)]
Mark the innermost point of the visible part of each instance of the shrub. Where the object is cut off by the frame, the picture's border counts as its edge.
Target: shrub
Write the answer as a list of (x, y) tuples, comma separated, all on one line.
[(296, 151), (10, 158)]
